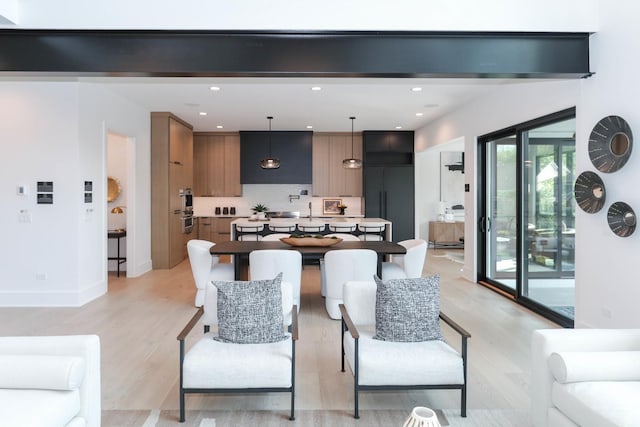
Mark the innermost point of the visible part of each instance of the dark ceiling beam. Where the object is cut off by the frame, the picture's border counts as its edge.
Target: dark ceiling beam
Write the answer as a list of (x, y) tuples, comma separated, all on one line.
[(295, 54)]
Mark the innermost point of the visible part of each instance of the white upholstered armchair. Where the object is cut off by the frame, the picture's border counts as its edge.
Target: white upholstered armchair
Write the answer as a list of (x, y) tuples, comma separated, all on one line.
[(393, 362), (50, 381), (241, 354)]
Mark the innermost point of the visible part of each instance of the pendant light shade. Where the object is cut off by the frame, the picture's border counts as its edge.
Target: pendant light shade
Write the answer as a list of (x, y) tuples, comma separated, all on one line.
[(352, 163), (270, 162)]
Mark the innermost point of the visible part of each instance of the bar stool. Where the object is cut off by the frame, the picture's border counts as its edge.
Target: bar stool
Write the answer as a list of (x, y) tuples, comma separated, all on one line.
[(372, 231), (311, 227), (249, 230), (282, 227), (274, 237), (342, 227)]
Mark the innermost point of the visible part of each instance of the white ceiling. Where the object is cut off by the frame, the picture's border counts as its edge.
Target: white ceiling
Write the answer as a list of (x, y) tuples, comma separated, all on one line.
[(244, 103)]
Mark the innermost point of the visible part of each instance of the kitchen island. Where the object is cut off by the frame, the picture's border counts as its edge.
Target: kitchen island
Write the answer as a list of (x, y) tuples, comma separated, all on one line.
[(313, 225)]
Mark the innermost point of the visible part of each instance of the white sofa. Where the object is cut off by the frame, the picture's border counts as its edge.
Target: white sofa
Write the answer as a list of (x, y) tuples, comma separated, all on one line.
[(585, 377), (50, 381)]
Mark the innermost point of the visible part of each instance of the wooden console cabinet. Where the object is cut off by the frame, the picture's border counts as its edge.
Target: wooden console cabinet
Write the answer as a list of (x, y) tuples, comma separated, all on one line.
[(450, 234)]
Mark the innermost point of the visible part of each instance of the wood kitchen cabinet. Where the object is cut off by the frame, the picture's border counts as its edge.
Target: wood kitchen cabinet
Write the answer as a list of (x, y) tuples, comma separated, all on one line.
[(216, 158), (171, 171), (446, 233), (329, 177), (215, 229)]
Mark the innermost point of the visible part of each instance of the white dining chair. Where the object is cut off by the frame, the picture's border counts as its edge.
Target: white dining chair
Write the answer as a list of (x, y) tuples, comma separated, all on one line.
[(344, 265), (409, 265), (323, 278), (267, 263), (206, 267)]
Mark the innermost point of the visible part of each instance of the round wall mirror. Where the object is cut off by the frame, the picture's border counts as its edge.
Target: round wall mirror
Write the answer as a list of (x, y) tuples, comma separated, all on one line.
[(113, 189), (589, 192), (610, 144), (621, 219)]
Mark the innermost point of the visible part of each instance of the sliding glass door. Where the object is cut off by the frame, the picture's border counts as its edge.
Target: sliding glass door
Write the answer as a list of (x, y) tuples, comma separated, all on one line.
[(526, 225)]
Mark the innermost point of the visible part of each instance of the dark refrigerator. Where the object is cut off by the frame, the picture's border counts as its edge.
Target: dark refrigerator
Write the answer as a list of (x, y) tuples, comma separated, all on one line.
[(389, 194)]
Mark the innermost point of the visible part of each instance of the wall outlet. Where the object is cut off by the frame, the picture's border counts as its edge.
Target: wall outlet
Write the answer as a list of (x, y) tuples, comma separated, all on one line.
[(24, 216)]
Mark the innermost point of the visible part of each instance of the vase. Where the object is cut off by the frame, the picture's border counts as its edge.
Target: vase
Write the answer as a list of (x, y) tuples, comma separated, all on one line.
[(422, 417), (341, 211)]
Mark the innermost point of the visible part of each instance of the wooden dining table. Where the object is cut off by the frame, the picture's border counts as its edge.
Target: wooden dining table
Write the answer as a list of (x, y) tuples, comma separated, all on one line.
[(240, 251)]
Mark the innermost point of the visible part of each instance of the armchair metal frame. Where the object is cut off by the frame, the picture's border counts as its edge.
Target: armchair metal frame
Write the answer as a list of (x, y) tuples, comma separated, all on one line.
[(183, 391), (348, 325)]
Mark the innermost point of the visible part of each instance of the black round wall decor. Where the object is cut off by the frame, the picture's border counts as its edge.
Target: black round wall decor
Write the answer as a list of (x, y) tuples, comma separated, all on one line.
[(590, 192), (610, 144), (622, 219)]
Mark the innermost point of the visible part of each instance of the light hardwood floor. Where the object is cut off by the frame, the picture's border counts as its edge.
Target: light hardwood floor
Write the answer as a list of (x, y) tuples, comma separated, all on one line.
[(138, 321)]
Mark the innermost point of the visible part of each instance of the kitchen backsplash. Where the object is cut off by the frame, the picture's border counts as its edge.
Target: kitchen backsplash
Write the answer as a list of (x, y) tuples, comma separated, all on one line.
[(277, 197)]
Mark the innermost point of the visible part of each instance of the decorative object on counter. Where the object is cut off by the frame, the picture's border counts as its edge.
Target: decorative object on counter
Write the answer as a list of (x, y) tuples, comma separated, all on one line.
[(217, 211), (622, 219), (352, 162), (589, 192), (310, 240), (342, 208), (270, 162), (330, 206), (422, 417), (225, 211), (610, 144), (232, 210), (260, 211)]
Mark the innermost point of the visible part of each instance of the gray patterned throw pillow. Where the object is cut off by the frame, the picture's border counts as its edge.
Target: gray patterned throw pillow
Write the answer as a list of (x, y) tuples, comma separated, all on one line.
[(250, 312), (408, 310)]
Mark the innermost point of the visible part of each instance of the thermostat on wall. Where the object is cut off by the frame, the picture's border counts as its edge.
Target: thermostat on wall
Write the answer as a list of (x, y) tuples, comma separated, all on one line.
[(22, 190)]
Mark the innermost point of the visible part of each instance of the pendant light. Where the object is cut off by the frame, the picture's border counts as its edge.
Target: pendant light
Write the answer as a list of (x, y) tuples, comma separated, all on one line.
[(352, 163), (270, 162)]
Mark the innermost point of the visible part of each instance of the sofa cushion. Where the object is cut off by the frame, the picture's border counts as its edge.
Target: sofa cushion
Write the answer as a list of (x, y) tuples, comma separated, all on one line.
[(38, 408), (403, 363), (598, 403), (250, 312), (213, 364), (408, 310), (41, 372), (575, 366)]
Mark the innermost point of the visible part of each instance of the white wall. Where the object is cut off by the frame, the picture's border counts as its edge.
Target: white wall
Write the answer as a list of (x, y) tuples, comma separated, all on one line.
[(56, 131), (607, 265)]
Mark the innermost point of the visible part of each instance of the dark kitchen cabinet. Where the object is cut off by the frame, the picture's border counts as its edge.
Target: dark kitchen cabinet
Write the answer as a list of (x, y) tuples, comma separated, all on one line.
[(389, 194), (389, 182), (292, 148)]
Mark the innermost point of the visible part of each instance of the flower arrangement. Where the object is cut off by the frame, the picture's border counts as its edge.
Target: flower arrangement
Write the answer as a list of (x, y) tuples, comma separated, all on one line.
[(342, 208)]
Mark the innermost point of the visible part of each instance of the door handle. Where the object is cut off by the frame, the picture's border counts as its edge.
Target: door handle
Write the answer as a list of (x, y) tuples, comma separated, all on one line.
[(484, 224)]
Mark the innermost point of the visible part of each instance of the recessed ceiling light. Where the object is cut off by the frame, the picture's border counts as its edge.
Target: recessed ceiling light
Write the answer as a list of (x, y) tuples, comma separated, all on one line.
[(416, 89), (219, 127), (419, 114), (316, 88), (214, 88), (430, 105), (398, 127), (203, 113), (309, 127)]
